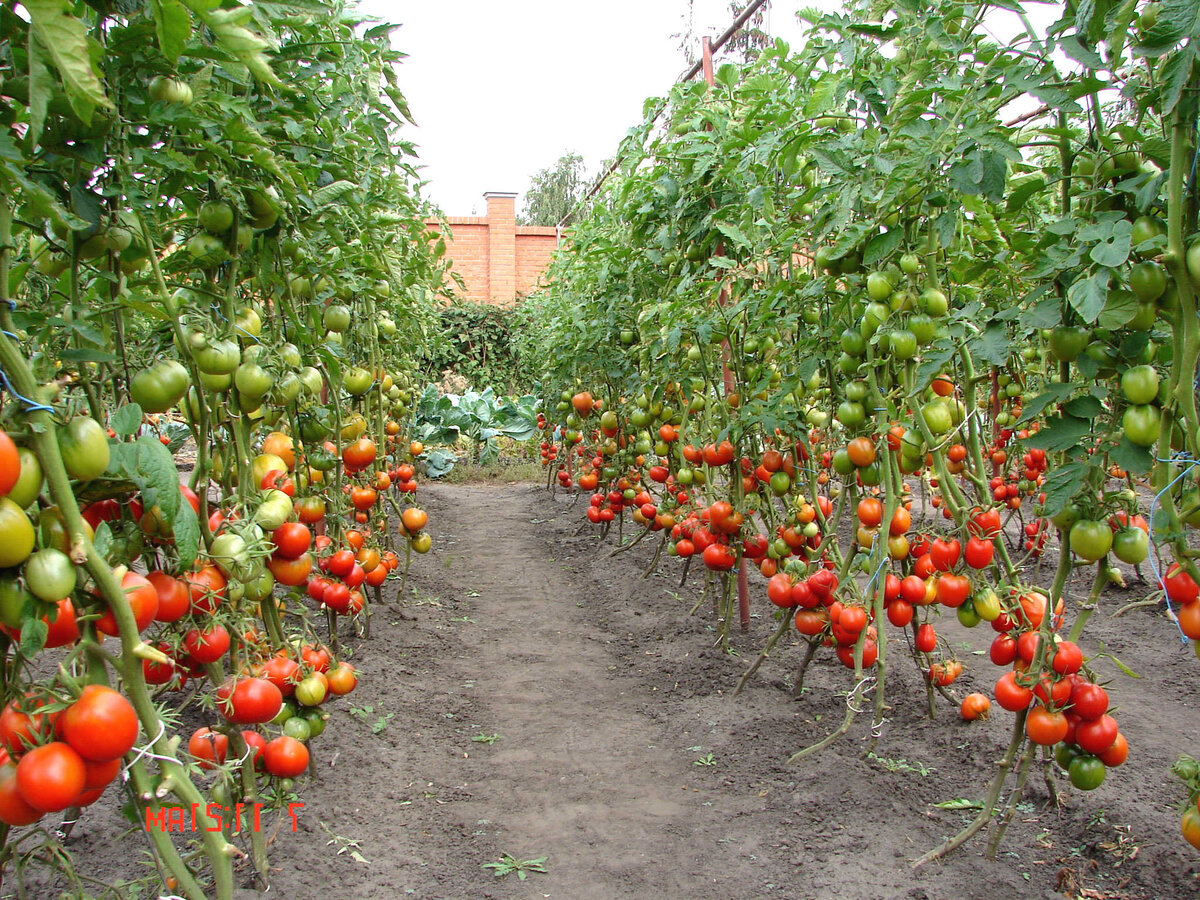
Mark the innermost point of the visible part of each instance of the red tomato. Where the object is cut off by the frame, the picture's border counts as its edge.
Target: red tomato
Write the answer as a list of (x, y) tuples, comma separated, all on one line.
[(249, 701), (142, 597), (51, 777), (208, 746), (173, 596), (101, 724), (13, 808), (285, 757)]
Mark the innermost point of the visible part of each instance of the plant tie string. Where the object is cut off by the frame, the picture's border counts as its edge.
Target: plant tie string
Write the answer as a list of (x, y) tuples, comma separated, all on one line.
[(147, 752)]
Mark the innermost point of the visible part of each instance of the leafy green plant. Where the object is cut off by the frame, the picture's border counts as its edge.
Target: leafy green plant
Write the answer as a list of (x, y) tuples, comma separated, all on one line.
[(480, 417), (509, 864)]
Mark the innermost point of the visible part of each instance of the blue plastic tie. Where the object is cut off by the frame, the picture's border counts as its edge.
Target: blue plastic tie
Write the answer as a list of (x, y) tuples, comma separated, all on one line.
[(30, 405)]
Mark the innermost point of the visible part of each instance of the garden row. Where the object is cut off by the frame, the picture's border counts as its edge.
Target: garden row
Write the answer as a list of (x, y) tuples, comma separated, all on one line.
[(906, 259)]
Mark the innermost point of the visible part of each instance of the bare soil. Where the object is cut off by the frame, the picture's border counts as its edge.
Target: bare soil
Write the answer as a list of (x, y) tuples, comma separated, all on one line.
[(616, 752)]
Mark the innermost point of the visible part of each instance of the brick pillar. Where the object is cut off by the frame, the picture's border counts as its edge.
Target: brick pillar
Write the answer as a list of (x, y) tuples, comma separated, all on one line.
[(502, 247)]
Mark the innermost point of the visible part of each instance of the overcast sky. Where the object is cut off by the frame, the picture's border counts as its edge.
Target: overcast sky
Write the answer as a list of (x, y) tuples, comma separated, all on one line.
[(500, 89)]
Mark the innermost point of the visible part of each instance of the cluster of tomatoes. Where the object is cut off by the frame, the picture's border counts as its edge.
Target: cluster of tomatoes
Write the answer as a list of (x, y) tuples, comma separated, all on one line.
[(57, 754)]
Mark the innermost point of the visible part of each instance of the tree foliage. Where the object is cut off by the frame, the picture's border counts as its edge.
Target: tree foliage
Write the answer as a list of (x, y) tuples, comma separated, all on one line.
[(554, 192)]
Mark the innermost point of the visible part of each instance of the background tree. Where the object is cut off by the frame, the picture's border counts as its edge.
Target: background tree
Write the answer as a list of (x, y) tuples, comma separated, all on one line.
[(742, 47), (553, 192)]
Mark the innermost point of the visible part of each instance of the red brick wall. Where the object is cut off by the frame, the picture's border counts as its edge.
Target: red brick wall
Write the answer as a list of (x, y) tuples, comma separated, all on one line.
[(497, 260)]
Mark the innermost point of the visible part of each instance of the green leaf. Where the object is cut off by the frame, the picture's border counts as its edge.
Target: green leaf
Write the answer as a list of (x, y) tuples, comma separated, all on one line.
[(1173, 76), (1125, 670), (174, 27), (1060, 433), (959, 803), (161, 476), (187, 535), (881, 247), (1114, 250), (1088, 295), (127, 420), (33, 637), (1133, 459), (1055, 393), (66, 40), (734, 234), (1119, 308), (41, 88), (1084, 407), (992, 346), (1062, 485)]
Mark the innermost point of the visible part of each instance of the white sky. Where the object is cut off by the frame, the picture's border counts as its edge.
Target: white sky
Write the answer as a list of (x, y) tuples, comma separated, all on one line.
[(500, 89)]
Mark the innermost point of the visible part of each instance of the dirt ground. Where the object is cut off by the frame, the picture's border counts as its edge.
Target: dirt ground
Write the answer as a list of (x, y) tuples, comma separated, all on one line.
[(530, 695)]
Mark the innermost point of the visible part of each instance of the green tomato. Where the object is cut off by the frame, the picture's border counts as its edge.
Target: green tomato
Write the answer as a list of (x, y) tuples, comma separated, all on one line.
[(1090, 539), (1140, 384), (1066, 518), (13, 598), (229, 553), (1068, 341), (1086, 772), (903, 344), (1148, 280), (170, 90), (297, 727), (16, 534), (216, 357), (248, 322), (1131, 545), (253, 381), (216, 216), (1064, 753), (938, 417), (84, 448), (857, 391), (934, 303), (967, 616), (853, 343), (1142, 424), (357, 381), (842, 463), (29, 482), (50, 575), (1146, 228), (160, 387), (879, 286), (336, 318), (852, 415), (316, 721), (910, 263)]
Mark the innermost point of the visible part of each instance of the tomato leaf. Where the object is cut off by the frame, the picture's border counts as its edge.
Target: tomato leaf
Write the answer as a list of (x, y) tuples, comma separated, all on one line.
[(187, 535), (1088, 295), (174, 27), (1062, 485), (1132, 458), (65, 39), (127, 420), (958, 803), (881, 247), (161, 485), (1119, 308), (992, 346), (1055, 393), (1125, 670), (1060, 433), (33, 637), (1084, 407), (41, 88)]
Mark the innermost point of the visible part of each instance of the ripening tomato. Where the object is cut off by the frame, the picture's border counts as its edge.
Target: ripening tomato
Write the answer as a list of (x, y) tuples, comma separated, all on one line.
[(142, 597), (174, 599), (51, 777), (208, 645), (1011, 695), (979, 553), (207, 588), (1096, 735), (285, 757), (342, 679), (292, 540), (926, 639), (249, 701), (101, 724), (209, 747), (283, 672), (14, 810), (975, 706)]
